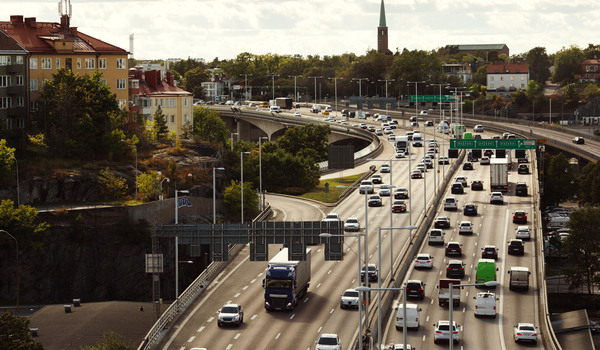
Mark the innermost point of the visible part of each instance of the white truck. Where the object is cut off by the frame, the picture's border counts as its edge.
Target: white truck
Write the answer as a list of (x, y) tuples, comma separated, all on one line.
[(499, 174), (444, 292), (402, 144), (286, 281), (519, 277)]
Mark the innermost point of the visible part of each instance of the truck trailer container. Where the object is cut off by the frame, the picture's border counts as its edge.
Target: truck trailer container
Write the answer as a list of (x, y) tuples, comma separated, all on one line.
[(444, 292), (286, 281), (499, 174)]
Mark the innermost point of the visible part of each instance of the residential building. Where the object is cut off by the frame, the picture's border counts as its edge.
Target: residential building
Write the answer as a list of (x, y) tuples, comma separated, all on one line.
[(482, 49), (150, 89), (13, 88), (215, 88), (590, 71), (504, 79), (461, 70)]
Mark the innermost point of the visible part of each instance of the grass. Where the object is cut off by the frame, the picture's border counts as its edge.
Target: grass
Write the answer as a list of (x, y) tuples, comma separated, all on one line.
[(318, 193)]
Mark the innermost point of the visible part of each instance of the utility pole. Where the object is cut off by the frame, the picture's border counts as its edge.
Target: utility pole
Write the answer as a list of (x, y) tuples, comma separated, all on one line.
[(295, 81), (316, 85), (246, 84)]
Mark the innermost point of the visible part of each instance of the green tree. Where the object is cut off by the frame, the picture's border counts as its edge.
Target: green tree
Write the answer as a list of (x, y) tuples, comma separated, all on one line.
[(159, 125), (560, 183), (111, 341), (567, 63), (480, 76), (36, 144), (15, 333), (21, 222), (583, 248), (592, 52), (208, 125), (591, 91), (113, 187), (7, 161), (539, 64), (194, 79), (589, 189), (287, 173), (149, 185), (232, 199), (310, 140)]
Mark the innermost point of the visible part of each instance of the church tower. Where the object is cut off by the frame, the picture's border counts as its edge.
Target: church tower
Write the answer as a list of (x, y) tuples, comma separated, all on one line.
[(382, 33)]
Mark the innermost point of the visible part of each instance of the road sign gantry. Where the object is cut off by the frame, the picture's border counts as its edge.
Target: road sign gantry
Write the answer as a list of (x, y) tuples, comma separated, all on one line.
[(492, 143)]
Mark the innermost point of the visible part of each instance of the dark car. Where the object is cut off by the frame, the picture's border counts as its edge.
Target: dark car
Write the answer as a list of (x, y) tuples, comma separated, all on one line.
[(523, 169), (468, 166), (579, 140), (470, 209), (521, 189), (457, 188), (520, 217), (488, 153), (477, 185), (372, 272), (376, 179), (489, 252), (442, 222), (415, 289), (375, 201), (455, 269), (453, 248), (401, 193), (399, 207), (515, 246)]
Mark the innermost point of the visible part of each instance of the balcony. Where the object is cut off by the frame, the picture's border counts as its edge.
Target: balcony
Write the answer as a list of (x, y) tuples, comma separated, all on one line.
[(16, 112), (15, 90)]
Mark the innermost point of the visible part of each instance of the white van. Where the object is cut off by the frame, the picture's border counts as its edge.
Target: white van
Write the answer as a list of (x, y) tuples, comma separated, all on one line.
[(275, 109), (485, 304), (417, 140), (519, 277), (412, 316)]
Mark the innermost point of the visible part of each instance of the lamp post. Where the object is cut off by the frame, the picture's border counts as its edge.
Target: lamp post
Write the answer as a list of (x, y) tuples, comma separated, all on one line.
[(416, 94), (246, 83), (161, 188), (315, 86), (18, 189), (358, 235), (336, 99), (215, 194), (440, 97), (260, 190), (17, 267), (360, 84), (234, 133), (386, 91), (295, 80), (177, 241), (272, 75), (550, 113), (242, 183)]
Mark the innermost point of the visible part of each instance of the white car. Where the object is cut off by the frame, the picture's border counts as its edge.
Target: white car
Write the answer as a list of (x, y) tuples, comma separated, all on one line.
[(230, 314), (485, 304), (400, 154), (401, 347), (478, 128), (424, 260), (297, 114), (436, 236), (465, 228), (496, 197), (423, 113), (385, 190), (523, 232), (331, 217), (525, 332), (350, 299), (329, 341), (385, 168), (442, 332), (391, 137), (388, 131), (450, 203), (366, 186), (351, 225)]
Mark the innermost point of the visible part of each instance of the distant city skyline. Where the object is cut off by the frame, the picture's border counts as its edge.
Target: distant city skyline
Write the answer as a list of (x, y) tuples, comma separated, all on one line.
[(209, 29)]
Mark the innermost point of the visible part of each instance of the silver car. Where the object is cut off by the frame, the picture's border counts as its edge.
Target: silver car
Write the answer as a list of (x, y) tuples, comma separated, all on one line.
[(350, 299)]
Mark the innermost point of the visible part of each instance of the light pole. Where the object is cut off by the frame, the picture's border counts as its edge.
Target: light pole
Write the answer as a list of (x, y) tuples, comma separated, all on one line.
[(18, 189), (336, 99), (161, 188), (136, 181), (242, 183), (272, 75), (177, 242), (416, 94), (358, 235), (386, 91), (17, 267), (215, 194), (316, 85), (440, 97), (260, 190), (550, 113), (360, 84), (234, 133), (246, 83), (295, 80)]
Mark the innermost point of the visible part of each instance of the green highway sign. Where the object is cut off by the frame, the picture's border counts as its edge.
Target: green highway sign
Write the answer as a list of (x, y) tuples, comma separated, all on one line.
[(431, 98), (492, 143)]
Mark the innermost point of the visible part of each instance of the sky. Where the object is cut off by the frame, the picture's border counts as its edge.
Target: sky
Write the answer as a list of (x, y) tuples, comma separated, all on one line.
[(225, 28)]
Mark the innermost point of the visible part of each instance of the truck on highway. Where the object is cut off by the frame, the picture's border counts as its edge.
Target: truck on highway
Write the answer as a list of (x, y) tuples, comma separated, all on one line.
[(286, 281), (519, 277), (444, 292), (402, 144), (284, 102), (499, 174)]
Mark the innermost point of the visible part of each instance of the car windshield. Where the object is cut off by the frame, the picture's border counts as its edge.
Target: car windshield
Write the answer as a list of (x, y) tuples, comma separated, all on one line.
[(352, 221), (353, 294), (278, 284), (527, 328), (327, 341), (229, 310)]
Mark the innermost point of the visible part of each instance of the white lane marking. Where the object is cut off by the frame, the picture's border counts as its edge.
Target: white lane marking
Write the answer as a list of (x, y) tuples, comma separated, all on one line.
[(292, 317), (191, 339), (236, 295), (427, 319), (318, 285), (210, 319), (245, 287), (501, 301), (253, 317), (229, 347), (319, 330), (464, 309), (237, 336), (254, 280), (423, 339), (305, 300), (182, 348), (332, 310), (277, 337), (329, 272), (200, 329)]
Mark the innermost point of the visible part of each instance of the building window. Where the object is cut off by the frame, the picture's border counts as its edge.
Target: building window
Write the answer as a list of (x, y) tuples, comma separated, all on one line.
[(121, 63), (4, 80), (33, 84), (46, 63), (90, 63), (185, 118), (4, 60), (4, 102), (492, 86), (492, 78), (33, 106), (512, 77), (19, 59), (20, 123), (522, 78), (79, 63), (155, 102), (122, 104), (104, 81), (121, 84), (161, 103), (33, 63), (522, 86), (58, 63), (172, 102), (501, 78), (173, 119), (44, 82), (185, 102), (20, 101), (102, 63)]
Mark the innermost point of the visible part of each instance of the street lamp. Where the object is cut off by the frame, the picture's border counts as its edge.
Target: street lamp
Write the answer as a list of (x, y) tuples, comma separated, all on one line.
[(328, 235), (246, 84), (416, 94), (242, 182), (272, 75), (440, 99), (336, 99), (234, 133), (316, 85), (161, 188), (18, 189), (215, 195), (360, 84), (295, 80), (386, 91), (177, 241), (17, 267), (260, 190)]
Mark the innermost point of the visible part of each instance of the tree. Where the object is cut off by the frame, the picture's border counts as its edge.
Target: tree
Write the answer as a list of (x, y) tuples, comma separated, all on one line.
[(194, 79), (149, 185), (310, 140), (589, 189), (15, 333), (539, 64), (209, 126), (21, 222), (480, 76), (567, 63), (111, 341), (560, 181), (7, 161), (583, 248), (159, 125), (113, 187), (232, 199)]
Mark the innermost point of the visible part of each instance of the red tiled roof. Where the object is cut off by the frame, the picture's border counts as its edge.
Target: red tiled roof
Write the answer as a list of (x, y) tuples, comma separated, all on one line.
[(36, 37), (591, 62), (162, 88), (507, 68)]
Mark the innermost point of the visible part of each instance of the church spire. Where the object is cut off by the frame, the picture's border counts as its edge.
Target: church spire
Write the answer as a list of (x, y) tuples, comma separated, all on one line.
[(382, 16), (382, 33)]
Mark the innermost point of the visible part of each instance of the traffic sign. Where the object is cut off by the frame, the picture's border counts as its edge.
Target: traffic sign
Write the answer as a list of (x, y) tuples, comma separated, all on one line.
[(540, 140), (431, 98), (492, 143)]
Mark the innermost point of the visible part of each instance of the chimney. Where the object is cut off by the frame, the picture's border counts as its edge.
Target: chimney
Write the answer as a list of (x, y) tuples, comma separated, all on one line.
[(152, 78), (170, 79), (16, 19), (30, 21)]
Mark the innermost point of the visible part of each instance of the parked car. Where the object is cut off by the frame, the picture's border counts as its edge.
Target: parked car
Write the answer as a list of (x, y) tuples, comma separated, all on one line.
[(399, 206), (477, 185)]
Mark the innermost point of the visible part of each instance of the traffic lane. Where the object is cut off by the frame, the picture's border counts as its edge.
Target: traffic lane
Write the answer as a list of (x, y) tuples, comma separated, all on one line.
[(287, 208)]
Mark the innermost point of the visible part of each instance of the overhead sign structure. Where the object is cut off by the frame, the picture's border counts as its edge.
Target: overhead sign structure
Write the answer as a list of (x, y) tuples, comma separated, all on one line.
[(432, 98), (492, 143)]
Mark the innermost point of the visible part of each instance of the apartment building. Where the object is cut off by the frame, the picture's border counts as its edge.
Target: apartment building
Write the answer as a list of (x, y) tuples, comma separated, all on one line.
[(504, 79), (13, 90), (590, 71)]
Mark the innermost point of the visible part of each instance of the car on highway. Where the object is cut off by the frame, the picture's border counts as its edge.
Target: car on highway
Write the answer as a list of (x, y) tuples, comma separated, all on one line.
[(496, 198), (521, 189), (428, 162), (385, 168), (489, 252), (442, 222), (401, 193), (455, 269), (523, 169), (415, 289), (470, 209), (453, 248), (352, 225), (450, 203), (379, 132), (366, 186), (401, 346), (423, 113), (478, 128), (476, 185), (328, 341), (332, 217), (523, 232), (350, 299), (485, 160), (442, 332), (467, 166), (385, 190), (465, 228), (400, 154), (416, 174), (525, 332), (373, 273), (429, 123), (485, 304), (391, 137), (579, 140), (444, 160), (423, 260), (377, 179), (375, 201), (515, 246), (436, 236), (462, 180), (363, 125), (422, 167), (488, 153), (388, 131), (519, 216), (297, 114), (371, 128), (457, 188), (398, 206), (230, 314), (409, 135)]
